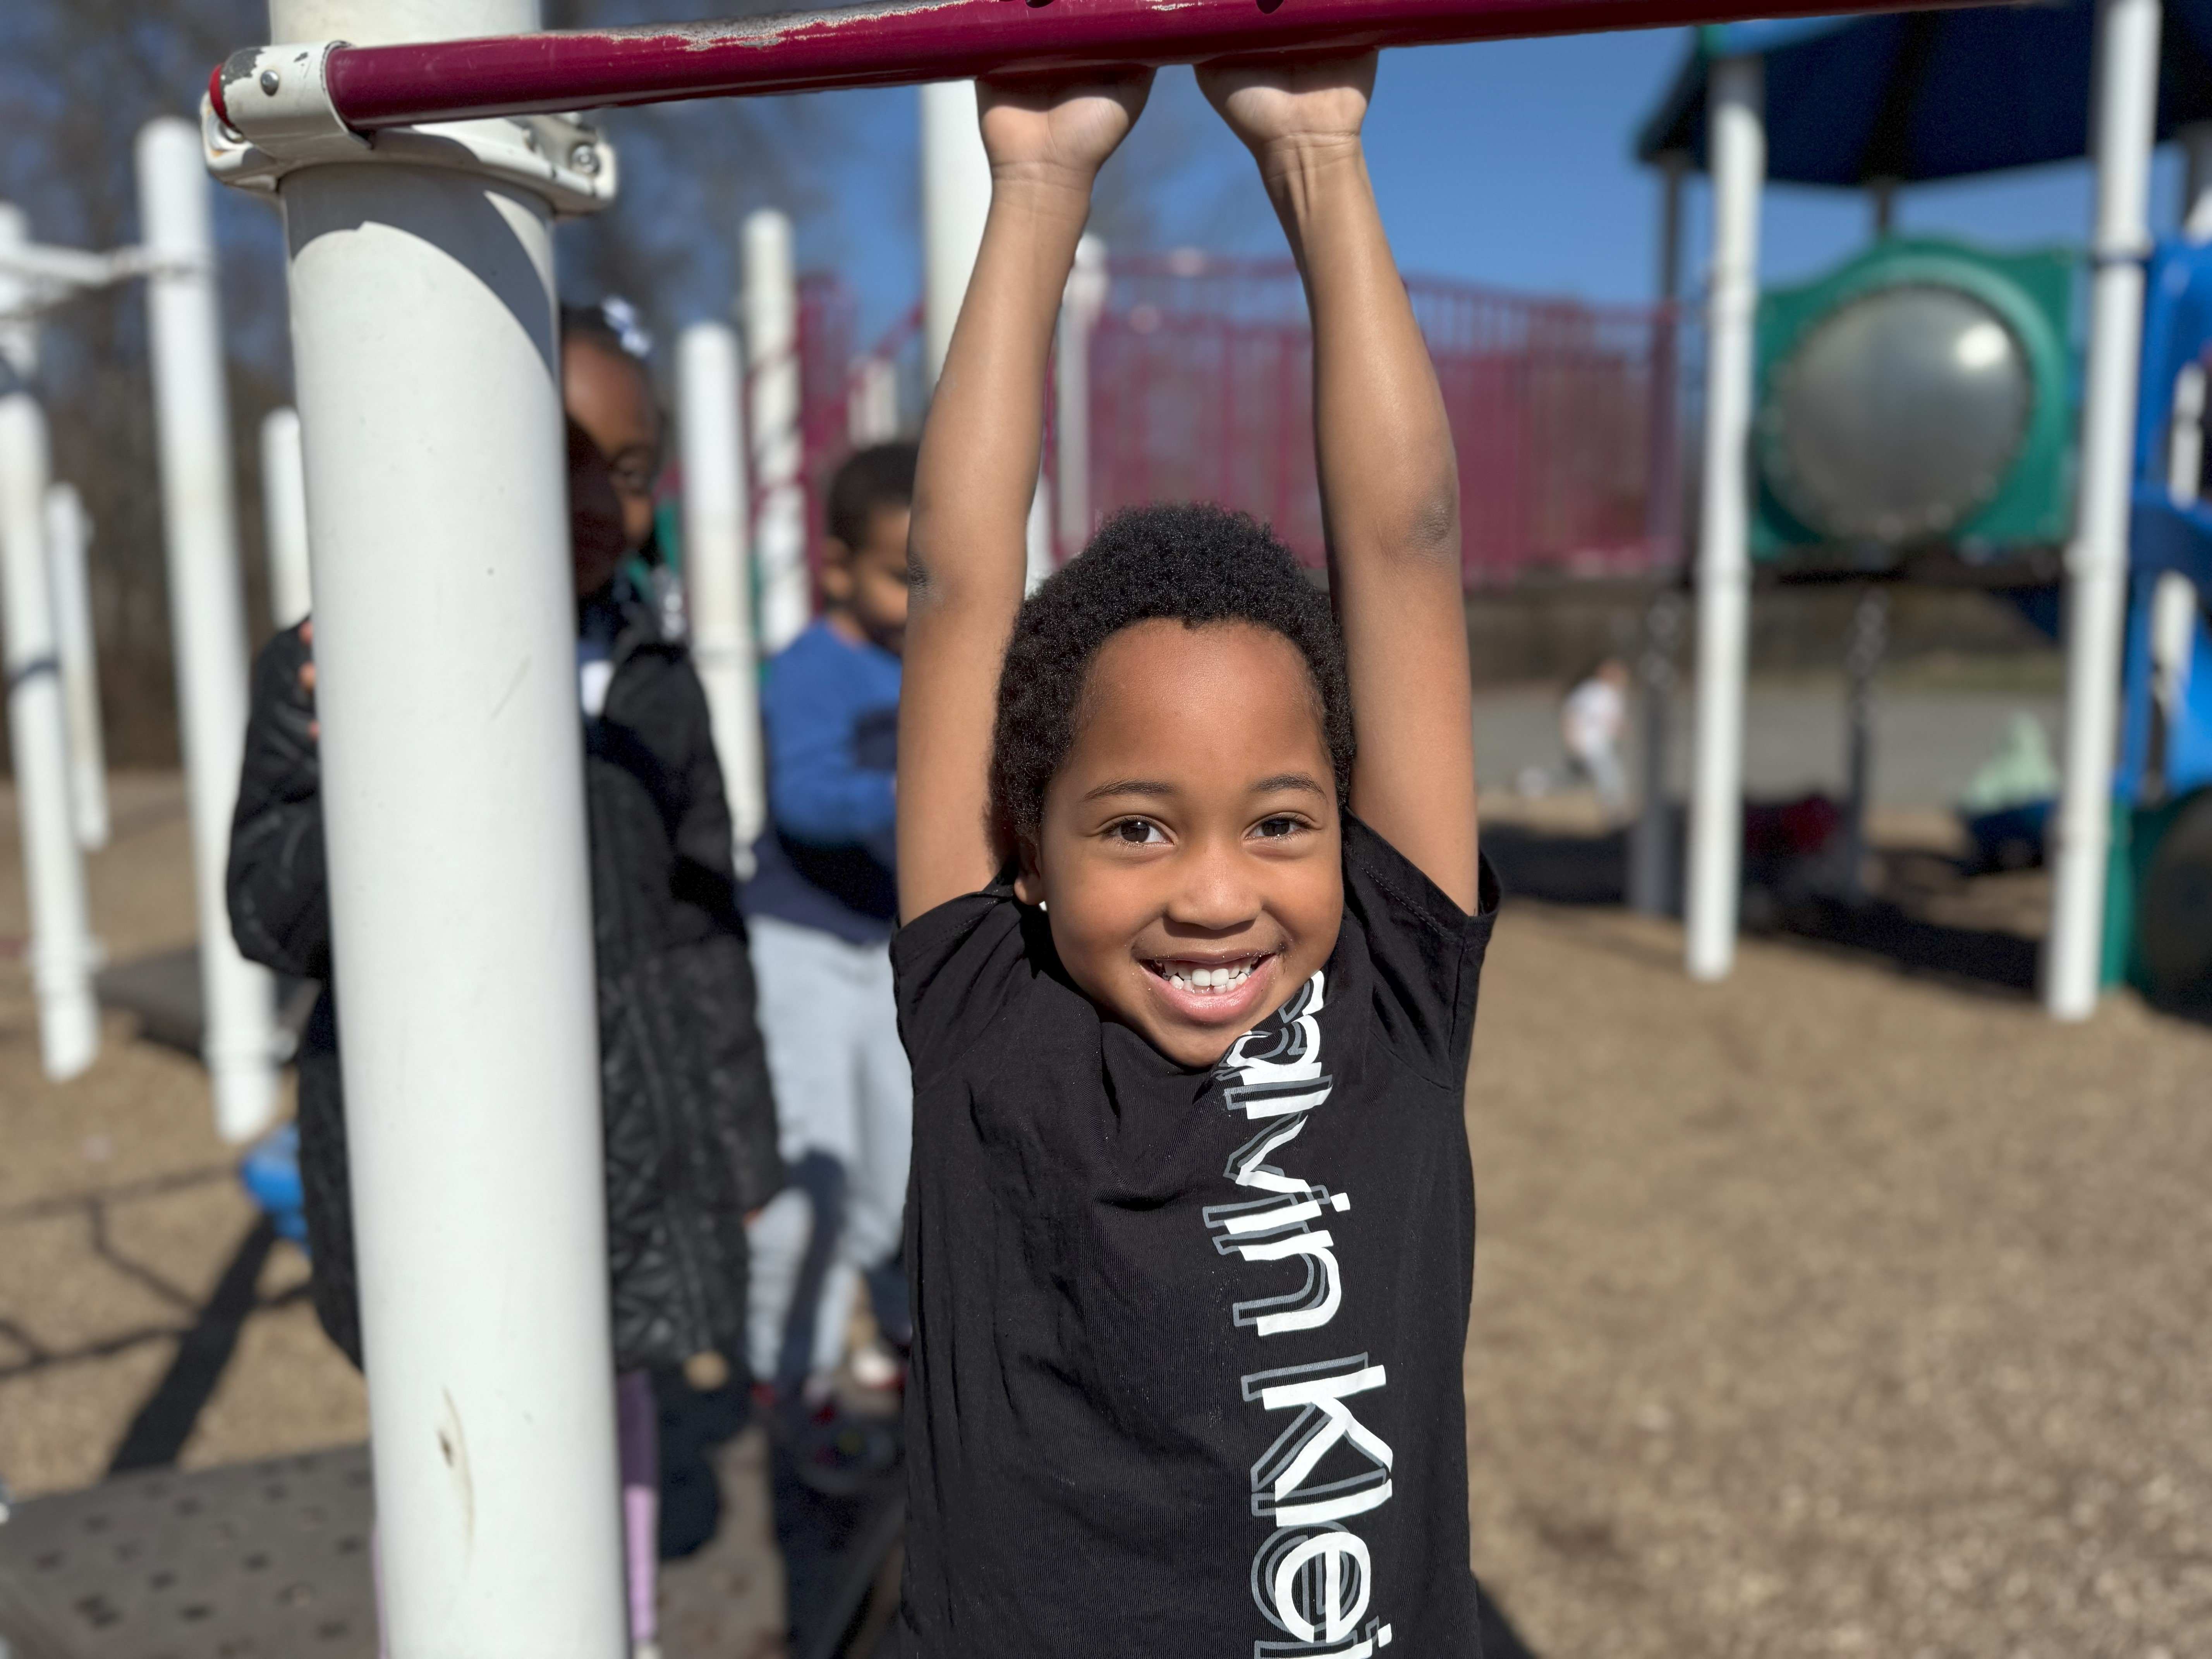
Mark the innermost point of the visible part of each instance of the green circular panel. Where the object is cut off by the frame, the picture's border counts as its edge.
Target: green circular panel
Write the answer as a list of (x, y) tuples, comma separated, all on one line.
[(1898, 414)]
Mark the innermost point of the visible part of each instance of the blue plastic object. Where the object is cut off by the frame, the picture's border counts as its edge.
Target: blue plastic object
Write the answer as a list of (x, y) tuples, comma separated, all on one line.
[(271, 1174), (2165, 535)]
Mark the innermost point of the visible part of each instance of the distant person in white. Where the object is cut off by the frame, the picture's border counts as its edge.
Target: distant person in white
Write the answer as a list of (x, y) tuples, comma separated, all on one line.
[(1592, 718)]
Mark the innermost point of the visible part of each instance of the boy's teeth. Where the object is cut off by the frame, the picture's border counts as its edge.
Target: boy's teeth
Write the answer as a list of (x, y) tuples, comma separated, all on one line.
[(1211, 979)]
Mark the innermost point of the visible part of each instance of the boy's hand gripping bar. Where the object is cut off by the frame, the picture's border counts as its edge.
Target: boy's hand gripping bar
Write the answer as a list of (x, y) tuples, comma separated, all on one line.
[(305, 97)]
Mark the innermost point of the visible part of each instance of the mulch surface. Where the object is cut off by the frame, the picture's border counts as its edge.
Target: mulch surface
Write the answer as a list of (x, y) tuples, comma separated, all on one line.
[(1848, 1307)]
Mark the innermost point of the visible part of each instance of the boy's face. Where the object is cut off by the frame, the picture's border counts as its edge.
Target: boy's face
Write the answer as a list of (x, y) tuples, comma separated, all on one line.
[(611, 472), (868, 583), (1192, 832)]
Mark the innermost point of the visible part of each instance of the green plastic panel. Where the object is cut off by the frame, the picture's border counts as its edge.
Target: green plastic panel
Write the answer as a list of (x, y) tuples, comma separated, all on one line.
[(2033, 292)]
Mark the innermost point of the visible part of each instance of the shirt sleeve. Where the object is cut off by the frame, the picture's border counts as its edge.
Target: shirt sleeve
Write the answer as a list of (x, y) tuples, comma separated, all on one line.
[(1426, 952), (818, 792), (954, 971)]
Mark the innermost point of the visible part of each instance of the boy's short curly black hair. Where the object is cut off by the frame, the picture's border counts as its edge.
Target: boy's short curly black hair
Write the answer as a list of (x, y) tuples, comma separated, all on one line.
[(871, 479), (1194, 564)]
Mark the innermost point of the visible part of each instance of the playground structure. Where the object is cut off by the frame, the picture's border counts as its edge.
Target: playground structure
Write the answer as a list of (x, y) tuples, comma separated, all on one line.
[(53, 707), (421, 285), (2159, 929), (1876, 103)]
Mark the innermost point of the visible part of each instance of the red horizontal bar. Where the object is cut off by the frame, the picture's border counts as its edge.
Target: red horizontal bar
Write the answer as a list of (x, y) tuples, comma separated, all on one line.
[(903, 42)]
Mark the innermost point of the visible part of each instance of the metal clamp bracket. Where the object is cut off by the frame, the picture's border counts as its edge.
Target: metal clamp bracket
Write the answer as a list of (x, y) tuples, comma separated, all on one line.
[(276, 114), (280, 98)]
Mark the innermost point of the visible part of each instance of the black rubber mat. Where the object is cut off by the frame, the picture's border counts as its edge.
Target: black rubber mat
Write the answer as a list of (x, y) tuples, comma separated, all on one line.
[(258, 1561)]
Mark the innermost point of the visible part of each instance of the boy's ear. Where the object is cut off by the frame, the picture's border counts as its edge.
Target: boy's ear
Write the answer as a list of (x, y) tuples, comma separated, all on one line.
[(835, 571), (1029, 880)]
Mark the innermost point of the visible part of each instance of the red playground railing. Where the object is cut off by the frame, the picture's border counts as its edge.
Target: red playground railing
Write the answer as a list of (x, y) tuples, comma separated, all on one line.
[(1567, 417)]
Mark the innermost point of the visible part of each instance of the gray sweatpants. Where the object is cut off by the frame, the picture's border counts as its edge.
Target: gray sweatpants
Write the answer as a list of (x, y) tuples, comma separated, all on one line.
[(841, 1087)]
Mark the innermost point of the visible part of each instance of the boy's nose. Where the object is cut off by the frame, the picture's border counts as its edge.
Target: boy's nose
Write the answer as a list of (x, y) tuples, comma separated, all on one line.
[(1216, 891)]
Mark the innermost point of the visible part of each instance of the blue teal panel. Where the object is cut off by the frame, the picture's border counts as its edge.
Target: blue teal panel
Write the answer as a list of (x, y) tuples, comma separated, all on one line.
[(2189, 745), (2136, 692), (1932, 95)]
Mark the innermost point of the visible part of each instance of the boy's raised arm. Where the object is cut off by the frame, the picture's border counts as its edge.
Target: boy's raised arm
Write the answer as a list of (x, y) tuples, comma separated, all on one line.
[(978, 469), (1389, 483)]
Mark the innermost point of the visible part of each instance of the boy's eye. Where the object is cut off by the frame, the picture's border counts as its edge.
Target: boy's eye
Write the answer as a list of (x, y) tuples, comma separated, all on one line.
[(1136, 832), (1275, 828)]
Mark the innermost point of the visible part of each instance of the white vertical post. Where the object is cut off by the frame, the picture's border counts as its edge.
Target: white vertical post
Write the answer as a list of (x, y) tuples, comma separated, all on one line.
[(1736, 143), (955, 200), (62, 954), (1080, 307), (428, 372), (191, 410), (872, 405), (718, 567), (2097, 560), (770, 305), (69, 534), (1037, 534), (284, 518)]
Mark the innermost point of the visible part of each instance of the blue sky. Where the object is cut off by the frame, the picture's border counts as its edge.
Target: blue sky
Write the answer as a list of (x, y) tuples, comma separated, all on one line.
[(1507, 164)]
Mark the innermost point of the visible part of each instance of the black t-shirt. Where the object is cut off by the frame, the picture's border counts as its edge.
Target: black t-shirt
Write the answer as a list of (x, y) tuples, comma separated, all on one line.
[(1187, 1372)]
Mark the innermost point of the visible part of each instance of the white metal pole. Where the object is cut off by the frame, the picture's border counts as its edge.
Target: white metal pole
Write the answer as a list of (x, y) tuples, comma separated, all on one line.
[(956, 199), (69, 534), (2097, 561), (426, 359), (1080, 308), (426, 366), (284, 518), (192, 413), (718, 565), (62, 955), (1736, 143), (1037, 534), (770, 306), (872, 405)]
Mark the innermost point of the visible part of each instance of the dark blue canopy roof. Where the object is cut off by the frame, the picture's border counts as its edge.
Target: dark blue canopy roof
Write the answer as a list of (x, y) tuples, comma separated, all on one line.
[(1929, 94)]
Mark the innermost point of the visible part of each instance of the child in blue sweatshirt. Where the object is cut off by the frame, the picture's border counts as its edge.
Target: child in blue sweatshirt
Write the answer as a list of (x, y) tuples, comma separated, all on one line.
[(821, 908)]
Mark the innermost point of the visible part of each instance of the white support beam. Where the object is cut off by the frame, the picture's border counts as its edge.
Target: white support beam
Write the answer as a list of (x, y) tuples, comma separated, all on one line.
[(2126, 104), (68, 541), (872, 401), (191, 411), (284, 518), (62, 955), (718, 567), (427, 363), (1736, 146), (1080, 307), (770, 307), (955, 200)]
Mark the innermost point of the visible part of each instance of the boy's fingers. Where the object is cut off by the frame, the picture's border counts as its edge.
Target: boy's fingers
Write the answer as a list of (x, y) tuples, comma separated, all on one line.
[(306, 677), (1293, 76), (1040, 89)]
